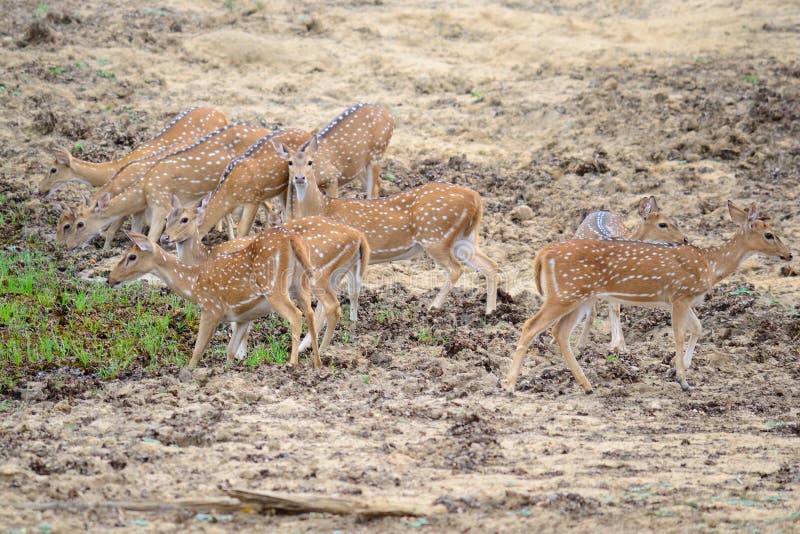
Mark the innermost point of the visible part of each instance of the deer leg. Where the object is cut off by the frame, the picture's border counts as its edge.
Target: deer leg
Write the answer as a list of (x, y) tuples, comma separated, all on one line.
[(373, 184), (587, 326), (680, 318), (110, 232), (547, 314), (695, 329), (238, 341), (286, 309), (246, 221), (467, 250), (442, 253), (304, 299), (353, 292), (158, 219), (319, 321), (333, 312), (208, 323), (561, 331), (617, 339)]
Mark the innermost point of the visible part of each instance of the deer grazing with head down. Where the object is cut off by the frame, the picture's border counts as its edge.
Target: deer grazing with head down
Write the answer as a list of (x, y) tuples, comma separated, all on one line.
[(252, 178), (653, 226), (187, 127), (572, 275), (189, 173), (240, 286), (335, 251), (439, 218), (350, 146)]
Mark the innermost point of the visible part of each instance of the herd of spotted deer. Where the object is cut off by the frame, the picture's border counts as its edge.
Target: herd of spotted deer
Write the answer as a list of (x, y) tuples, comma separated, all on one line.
[(201, 168)]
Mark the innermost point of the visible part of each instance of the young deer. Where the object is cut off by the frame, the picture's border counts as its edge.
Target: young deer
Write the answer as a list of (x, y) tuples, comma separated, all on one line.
[(441, 219), (335, 250), (185, 128), (241, 286), (188, 173), (257, 175), (653, 226), (572, 275), (352, 145)]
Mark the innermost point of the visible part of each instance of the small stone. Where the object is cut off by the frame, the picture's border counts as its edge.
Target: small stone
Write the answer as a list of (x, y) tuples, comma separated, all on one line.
[(33, 391), (185, 375), (523, 212)]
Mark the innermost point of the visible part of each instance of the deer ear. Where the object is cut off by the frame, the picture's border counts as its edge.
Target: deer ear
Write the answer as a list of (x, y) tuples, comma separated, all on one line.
[(738, 215), (102, 202), (647, 206), (280, 148), (62, 156), (140, 241), (313, 145), (85, 200), (201, 208)]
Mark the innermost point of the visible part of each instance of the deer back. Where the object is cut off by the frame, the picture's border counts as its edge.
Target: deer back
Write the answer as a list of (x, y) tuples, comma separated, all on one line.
[(601, 225)]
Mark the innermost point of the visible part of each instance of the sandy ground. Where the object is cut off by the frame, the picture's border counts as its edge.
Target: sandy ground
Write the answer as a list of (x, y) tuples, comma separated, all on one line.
[(565, 107)]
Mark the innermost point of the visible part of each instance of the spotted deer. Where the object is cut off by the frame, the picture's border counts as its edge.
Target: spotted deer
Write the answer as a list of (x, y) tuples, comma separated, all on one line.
[(653, 226), (439, 218), (239, 287), (189, 173), (335, 251), (185, 128), (252, 178), (349, 147), (571, 275)]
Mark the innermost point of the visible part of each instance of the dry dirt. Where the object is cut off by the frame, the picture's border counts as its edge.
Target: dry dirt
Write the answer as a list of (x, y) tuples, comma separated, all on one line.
[(565, 106)]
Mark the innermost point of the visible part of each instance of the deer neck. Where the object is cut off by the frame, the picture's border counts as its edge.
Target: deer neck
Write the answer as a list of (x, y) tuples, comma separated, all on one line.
[(313, 201), (95, 174), (726, 258), (218, 207), (178, 276), (124, 204), (193, 251), (636, 233)]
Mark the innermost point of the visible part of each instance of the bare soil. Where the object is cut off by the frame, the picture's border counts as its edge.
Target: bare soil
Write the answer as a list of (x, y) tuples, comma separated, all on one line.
[(563, 106)]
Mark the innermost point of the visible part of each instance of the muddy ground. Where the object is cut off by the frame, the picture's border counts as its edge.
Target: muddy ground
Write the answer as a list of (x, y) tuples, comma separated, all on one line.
[(564, 107)]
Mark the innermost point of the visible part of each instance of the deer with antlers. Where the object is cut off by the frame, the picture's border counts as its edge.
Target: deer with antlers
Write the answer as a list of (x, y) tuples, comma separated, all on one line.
[(439, 218), (335, 251), (251, 280), (571, 275), (252, 178), (350, 146), (189, 173), (653, 226), (185, 128)]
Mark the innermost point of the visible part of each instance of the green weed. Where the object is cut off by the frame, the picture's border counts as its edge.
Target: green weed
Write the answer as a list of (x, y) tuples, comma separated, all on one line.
[(477, 97)]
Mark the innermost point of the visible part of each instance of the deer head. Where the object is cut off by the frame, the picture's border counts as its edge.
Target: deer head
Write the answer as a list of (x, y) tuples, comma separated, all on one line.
[(757, 234), (301, 169), (137, 261), (57, 173), (183, 221), (87, 221), (655, 226)]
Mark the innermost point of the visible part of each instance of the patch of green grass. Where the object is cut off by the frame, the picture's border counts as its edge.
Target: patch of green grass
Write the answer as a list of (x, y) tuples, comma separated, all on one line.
[(58, 71), (275, 351), (477, 97), (108, 74), (742, 291), (425, 335), (612, 358), (384, 315), (751, 78), (41, 10), (230, 4), (389, 177), (79, 146)]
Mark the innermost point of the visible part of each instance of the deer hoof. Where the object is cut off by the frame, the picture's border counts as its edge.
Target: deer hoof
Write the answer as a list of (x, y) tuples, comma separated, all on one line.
[(686, 387), (588, 391)]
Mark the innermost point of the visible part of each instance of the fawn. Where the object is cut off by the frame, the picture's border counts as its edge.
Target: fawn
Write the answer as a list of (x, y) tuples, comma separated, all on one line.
[(350, 146), (186, 127), (653, 226), (440, 218), (571, 275), (188, 173), (335, 251), (251, 280)]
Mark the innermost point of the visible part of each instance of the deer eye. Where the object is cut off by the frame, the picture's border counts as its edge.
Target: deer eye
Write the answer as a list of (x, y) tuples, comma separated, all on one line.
[(67, 226), (769, 236), (309, 163), (184, 220), (81, 225), (53, 170), (662, 225), (289, 163), (131, 257)]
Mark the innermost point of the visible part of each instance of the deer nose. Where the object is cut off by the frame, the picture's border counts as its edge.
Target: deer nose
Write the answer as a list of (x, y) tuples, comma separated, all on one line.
[(164, 238), (300, 179), (685, 240)]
